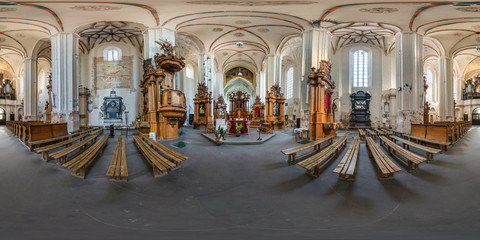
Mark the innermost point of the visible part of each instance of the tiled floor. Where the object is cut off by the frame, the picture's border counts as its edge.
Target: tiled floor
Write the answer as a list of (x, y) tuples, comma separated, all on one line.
[(238, 192)]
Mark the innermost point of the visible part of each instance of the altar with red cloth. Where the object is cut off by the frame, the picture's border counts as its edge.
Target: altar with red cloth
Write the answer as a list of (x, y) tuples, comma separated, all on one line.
[(232, 127)]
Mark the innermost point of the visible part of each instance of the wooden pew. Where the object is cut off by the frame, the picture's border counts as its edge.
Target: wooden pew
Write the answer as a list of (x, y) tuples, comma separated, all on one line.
[(173, 156), (292, 152), (407, 144), (314, 163), (412, 159), (81, 162), (385, 167), (67, 143), (371, 134), (61, 155), (159, 164), (92, 131), (346, 167), (361, 134), (117, 171), (430, 134)]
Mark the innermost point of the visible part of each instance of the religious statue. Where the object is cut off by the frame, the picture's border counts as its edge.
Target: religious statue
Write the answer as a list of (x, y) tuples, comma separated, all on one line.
[(48, 104), (426, 104), (167, 47)]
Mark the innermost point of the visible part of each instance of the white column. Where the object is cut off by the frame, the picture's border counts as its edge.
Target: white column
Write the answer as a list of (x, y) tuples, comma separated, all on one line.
[(316, 47), (201, 67), (273, 70), (64, 79), (445, 76), (30, 89), (150, 35), (409, 75), (209, 73)]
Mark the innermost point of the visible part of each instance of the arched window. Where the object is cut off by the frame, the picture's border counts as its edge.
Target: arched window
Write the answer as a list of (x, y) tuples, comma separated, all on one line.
[(289, 83), (429, 80), (189, 72), (112, 54), (360, 69)]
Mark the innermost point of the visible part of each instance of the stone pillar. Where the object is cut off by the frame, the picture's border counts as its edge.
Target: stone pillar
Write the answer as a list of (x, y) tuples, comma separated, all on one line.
[(445, 70), (392, 100), (316, 47), (64, 79), (150, 35), (30, 89), (273, 70), (83, 93), (201, 67), (409, 75)]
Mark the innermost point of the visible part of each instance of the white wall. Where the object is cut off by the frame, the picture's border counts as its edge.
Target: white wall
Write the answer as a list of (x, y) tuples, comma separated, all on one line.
[(381, 77), (131, 96)]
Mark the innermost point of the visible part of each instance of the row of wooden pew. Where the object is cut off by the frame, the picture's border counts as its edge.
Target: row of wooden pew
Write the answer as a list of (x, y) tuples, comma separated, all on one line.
[(35, 130), (80, 148), (441, 134), (396, 147), (161, 158)]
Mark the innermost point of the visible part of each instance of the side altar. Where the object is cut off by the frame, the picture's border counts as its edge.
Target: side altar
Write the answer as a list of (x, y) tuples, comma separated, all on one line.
[(203, 107), (321, 113), (275, 108)]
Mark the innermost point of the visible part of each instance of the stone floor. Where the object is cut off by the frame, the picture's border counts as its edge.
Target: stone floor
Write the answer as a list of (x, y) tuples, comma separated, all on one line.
[(238, 192)]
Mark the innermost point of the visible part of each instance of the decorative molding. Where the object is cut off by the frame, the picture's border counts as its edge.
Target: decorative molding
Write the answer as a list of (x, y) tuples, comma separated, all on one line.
[(8, 9), (251, 3), (468, 9), (378, 10), (96, 8)]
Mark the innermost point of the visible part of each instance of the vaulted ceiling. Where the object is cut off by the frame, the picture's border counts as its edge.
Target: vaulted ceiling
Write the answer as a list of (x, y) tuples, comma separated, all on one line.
[(242, 32)]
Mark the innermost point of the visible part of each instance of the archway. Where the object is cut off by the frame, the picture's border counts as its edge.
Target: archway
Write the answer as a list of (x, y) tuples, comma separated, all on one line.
[(3, 117), (476, 116)]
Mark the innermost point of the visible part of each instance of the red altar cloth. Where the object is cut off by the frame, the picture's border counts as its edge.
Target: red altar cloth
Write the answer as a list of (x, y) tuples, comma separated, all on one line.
[(232, 126)]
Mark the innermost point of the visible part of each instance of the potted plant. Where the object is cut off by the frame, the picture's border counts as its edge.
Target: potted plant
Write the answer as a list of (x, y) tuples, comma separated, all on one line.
[(238, 128), (219, 134)]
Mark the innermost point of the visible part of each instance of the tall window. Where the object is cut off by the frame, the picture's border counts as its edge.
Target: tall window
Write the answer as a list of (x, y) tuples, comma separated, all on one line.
[(189, 71), (429, 79), (360, 68), (113, 55), (289, 83)]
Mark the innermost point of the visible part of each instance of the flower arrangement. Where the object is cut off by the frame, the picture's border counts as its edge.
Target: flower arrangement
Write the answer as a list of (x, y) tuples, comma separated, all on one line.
[(219, 133), (238, 127), (139, 117)]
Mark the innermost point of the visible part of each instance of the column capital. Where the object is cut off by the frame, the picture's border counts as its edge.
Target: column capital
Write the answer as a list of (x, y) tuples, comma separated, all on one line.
[(319, 29), (64, 33), (158, 29), (28, 59), (445, 57)]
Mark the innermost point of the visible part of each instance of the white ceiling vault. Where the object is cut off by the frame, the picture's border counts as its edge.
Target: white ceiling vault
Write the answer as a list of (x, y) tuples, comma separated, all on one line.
[(450, 28)]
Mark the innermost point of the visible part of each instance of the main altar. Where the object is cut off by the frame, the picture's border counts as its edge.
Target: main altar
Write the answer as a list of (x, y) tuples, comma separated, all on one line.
[(239, 105), (164, 108)]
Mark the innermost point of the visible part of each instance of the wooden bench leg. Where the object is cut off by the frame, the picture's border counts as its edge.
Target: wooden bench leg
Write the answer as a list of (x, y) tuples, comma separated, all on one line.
[(314, 172), (292, 159), (157, 173)]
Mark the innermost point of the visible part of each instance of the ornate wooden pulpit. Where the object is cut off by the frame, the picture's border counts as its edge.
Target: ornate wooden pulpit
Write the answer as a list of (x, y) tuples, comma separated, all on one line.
[(321, 113), (203, 107), (220, 109), (166, 106), (258, 113), (275, 104), (239, 105)]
